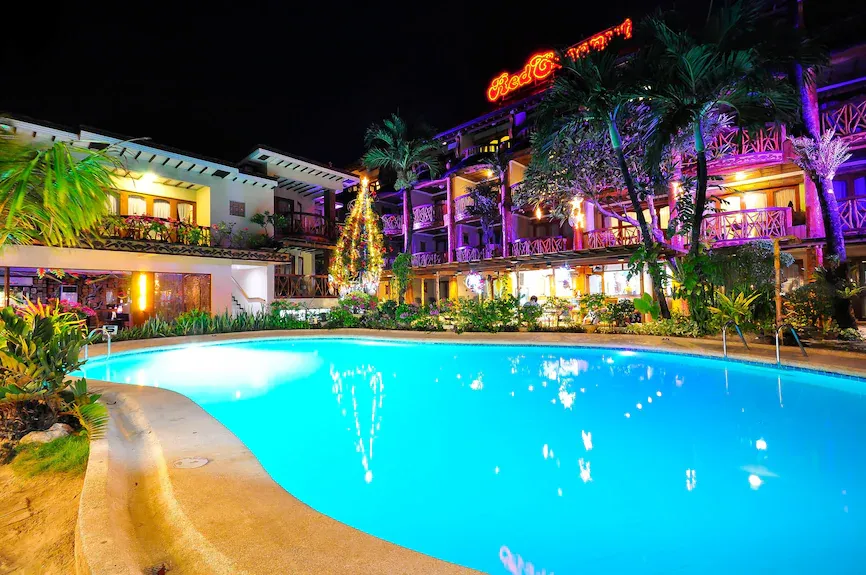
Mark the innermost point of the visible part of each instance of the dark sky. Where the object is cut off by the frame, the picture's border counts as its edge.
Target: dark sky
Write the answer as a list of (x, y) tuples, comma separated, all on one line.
[(304, 77)]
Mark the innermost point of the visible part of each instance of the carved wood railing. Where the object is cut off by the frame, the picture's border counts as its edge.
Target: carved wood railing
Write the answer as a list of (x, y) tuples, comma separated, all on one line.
[(848, 120), (149, 228), (307, 225), (293, 285), (476, 253), (392, 224), (852, 212), (535, 246), (611, 237), (426, 216), (769, 139), (460, 207), (741, 226), (424, 259)]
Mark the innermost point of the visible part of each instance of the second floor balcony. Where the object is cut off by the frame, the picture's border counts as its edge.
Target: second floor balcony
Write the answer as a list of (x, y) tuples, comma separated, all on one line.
[(392, 224), (465, 254), (304, 225), (732, 228), (852, 212), (300, 286), (424, 259), (537, 246), (428, 216), (149, 228)]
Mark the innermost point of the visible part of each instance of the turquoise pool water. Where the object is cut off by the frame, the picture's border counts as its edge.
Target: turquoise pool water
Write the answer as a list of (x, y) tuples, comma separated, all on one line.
[(543, 460)]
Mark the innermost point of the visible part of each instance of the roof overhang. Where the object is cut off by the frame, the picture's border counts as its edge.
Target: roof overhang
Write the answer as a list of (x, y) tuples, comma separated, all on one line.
[(305, 177)]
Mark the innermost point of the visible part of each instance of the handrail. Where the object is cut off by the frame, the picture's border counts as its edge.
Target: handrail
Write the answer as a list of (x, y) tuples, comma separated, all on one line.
[(725, 336), (246, 297), (796, 338), (106, 332)]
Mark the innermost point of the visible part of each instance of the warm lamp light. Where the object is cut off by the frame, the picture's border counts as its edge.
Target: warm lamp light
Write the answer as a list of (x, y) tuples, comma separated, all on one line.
[(148, 177), (740, 176), (538, 213), (142, 291)]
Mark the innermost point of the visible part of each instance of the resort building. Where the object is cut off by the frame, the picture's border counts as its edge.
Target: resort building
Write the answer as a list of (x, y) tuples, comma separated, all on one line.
[(759, 195), (182, 236)]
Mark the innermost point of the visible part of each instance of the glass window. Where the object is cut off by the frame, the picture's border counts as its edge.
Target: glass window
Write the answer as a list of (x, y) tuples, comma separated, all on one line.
[(860, 186), (840, 188), (161, 209), (136, 206), (184, 213), (113, 204), (595, 283)]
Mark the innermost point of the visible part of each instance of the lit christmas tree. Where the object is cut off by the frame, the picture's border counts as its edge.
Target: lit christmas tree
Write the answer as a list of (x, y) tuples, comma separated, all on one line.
[(357, 262)]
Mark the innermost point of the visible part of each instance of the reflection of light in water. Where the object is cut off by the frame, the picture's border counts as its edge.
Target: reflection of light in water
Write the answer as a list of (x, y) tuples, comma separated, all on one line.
[(477, 384), (679, 381), (609, 361), (761, 444), (755, 481), (567, 398), (531, 388), (626, 353), (516, 565), (584, 470), (377, 386), (238, 394), (639, 406), (587, 440), (780, 391), (649, 399), (496, 470), (559, 491), (627, 415), (658, 393), (691, 479), (545, 450)]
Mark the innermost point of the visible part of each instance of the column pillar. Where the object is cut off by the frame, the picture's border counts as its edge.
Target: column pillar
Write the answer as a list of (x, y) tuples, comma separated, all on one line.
[(436, 287), (505, 215), (6, 285), (423, 291), (449, 224), (407, 221)]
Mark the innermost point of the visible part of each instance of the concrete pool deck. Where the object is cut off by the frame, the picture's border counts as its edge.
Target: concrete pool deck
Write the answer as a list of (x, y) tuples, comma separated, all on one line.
[(146, 503)]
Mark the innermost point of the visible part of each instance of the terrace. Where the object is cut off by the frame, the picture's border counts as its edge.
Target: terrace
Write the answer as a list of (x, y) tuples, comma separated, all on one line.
[(309, 226), (428, 216), (303, 286)]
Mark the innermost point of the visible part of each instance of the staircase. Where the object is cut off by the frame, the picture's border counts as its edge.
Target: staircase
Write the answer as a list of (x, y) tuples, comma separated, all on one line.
[(237, 308)]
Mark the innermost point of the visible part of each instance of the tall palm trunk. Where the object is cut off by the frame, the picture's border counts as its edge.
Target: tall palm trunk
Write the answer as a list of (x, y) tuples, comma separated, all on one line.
[(646, 234), (700, 192), (408, 220)]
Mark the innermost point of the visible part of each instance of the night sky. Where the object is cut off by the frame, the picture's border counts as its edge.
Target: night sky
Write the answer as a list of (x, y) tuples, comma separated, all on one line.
[(304, 77)]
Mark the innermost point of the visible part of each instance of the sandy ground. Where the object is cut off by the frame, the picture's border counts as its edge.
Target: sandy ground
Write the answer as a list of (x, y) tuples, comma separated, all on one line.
[(37, 522)]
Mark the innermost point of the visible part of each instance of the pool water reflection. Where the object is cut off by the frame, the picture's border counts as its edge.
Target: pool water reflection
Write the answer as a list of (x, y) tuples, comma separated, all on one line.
[(545, 459)]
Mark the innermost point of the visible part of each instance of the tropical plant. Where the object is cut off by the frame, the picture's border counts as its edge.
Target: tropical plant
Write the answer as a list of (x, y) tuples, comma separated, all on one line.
[(645, 305), (485, 207), (91, 416), (558, 307), (402, 270), (391, 147), (54, 195), (221, 231), (736, 308), (265, 219)]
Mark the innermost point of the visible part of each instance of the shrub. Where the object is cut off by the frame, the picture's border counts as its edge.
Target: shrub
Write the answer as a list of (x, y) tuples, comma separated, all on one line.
[(850, 334), (679, 325), (619, 313)]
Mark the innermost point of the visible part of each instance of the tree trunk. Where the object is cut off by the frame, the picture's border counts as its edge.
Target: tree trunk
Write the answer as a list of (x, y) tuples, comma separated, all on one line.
[(408, 220), (18, 418), (700, 192), (646, 234)]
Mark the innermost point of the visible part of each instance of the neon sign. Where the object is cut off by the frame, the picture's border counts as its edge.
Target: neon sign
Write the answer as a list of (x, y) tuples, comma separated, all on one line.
[(541, 66)]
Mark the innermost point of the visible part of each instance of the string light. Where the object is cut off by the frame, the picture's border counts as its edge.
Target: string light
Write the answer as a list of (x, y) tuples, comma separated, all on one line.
[(358, 258)]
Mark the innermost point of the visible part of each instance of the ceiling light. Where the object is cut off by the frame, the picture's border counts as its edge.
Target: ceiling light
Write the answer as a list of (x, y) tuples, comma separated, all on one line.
[(740, 176)]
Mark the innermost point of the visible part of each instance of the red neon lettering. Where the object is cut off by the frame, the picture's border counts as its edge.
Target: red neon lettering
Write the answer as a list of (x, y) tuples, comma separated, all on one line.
[(542, 65)]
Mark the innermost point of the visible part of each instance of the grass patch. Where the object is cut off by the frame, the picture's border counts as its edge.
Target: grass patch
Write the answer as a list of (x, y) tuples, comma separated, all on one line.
[(64, 455)]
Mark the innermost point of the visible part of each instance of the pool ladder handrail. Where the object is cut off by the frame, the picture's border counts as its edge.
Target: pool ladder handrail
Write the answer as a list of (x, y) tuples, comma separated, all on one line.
[(725, 336), (796, 338), (104, 332)]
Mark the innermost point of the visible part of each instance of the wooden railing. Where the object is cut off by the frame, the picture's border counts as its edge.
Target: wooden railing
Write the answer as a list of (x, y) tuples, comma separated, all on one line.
[(149, 228), (534, 246), (427, 216), (769, 139), (460, 207), (741, 226), (423, 259), (611, 237), (476, 253), (307, 225), (392, 224), (848, 120), (294, 286), (852, 212)]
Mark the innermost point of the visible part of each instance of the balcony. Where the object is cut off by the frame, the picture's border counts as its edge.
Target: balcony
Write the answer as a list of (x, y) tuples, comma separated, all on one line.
[(732, 228), (392, 224), (848, 120), (427, 216), (536, 246), (148, 228), (852, 212), (300, 286), (461, 206), (305, 225), (466, 254), (424, 259), (611, 238)]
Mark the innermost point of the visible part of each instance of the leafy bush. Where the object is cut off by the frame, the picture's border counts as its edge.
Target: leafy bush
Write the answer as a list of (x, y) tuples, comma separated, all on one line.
[(490, 315), (646, 304), (679, 325), (850, 334), (807, 306), (619, 313), (737, 309)]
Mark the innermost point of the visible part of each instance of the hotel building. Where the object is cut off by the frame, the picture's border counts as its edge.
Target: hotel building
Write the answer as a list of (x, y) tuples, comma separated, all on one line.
[(166, 249), (761, 195)]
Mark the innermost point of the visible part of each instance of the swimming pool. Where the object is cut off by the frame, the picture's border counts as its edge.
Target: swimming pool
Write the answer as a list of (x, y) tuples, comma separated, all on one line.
[(546, 460)]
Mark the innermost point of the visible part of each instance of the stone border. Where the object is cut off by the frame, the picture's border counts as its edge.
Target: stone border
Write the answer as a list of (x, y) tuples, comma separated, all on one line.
[(138, 510)]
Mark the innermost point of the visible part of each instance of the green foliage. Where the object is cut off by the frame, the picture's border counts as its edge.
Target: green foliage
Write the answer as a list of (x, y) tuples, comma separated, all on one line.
[(691, 282), (808, 306), (402, 270), (737, 309), (197, 322), (489, 315), (851, 334), (391, 147), (64, 455), (529, 316), (645, 304), (592, 303), (678, 326), (485, 207), (619, 313)]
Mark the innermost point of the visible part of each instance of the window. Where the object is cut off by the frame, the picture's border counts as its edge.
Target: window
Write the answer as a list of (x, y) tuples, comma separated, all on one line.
[(860, 186), (781, 198), (113, 204), (136, 206), (840, 188), (237, 209), (423, 246), (755, 200), (161, 209), (285, 206), (184, 212)]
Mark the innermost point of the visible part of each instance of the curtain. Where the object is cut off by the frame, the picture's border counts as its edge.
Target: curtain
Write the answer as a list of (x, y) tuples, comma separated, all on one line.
[(161, 209), (137, 206), (784, 197), (184, 213), (113, 204)]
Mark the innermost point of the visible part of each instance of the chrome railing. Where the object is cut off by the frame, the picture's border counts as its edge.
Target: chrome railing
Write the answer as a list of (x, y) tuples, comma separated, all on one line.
[(725, 336), (779, 330)]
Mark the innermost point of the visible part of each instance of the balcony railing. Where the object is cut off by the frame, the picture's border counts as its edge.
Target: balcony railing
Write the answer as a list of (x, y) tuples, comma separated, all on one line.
[(852, 212), (392, 224), (611, 237), (769, 139), (307, 225), (535, 246), (728, 228), (148, 228), (848, 120), (297, 286), (486, 149), (424, 259), (461, 206), (477, 253), (427, 216)]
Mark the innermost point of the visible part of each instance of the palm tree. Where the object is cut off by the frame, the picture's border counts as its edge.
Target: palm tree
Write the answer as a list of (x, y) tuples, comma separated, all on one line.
[(390, 147), (598, 90), (54, 195), (693, 76)]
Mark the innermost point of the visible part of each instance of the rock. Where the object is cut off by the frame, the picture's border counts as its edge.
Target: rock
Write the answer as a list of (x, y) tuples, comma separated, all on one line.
[(56, 431)]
